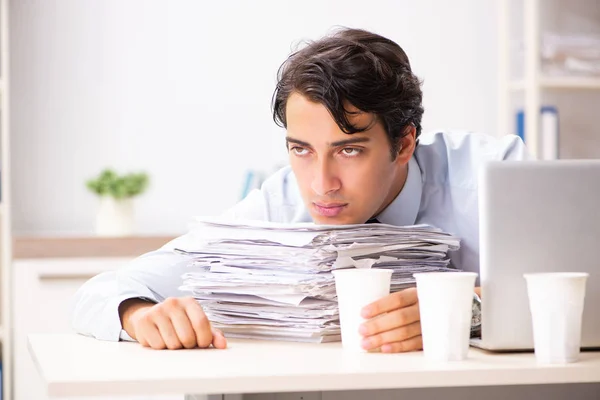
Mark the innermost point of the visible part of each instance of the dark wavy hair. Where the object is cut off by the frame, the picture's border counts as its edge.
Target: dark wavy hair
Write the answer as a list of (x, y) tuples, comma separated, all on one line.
[(364, 69)]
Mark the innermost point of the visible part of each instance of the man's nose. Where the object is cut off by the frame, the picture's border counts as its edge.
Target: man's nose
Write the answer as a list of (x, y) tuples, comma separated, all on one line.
[(325, 179)]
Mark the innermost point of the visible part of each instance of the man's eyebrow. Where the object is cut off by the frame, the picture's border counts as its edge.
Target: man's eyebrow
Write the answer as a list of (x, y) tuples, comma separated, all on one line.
[(289, 140), (345, 142), (339, 143)]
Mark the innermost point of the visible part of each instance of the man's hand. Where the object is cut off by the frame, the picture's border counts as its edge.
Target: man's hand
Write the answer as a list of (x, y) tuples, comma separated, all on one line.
[(397, 331), (173, 324)]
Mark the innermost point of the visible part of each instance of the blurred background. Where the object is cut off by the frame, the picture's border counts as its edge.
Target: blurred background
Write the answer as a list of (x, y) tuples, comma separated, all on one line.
[(180, 90)]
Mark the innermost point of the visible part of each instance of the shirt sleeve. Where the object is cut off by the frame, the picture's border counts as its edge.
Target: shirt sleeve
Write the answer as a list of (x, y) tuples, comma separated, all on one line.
[(153, 276), (512, 148), (278, 200), (253, 207)]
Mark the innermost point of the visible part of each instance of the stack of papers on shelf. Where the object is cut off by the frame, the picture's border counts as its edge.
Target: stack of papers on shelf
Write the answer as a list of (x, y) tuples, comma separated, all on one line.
[(269, 280), (570, 54)]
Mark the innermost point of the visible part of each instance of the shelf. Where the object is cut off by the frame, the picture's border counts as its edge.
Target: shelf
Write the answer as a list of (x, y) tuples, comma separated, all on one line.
[(86, 247), (591, 83)]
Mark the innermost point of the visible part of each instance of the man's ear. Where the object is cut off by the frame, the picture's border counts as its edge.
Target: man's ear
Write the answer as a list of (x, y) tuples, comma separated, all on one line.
[(407, 143)]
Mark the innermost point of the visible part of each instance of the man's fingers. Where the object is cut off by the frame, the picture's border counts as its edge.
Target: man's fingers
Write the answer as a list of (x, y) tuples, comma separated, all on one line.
[(394, 301), (412, 344), (219, 340), (147, 333), (167, 331), (200, 323), (183, 327), (142, 340), (177, 323), (395, 335), (391, 320), (153, 338)]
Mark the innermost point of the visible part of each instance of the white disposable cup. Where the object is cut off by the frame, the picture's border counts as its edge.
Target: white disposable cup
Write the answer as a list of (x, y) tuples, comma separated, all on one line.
[(446, 308), (356, 288), (556, 302)]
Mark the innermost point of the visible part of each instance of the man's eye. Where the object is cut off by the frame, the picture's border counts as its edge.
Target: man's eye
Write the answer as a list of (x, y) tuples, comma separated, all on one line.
[(350, 151), (300, 151)]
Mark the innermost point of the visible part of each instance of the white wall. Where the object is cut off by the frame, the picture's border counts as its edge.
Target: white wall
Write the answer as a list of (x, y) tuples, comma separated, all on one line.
[(182, 89)]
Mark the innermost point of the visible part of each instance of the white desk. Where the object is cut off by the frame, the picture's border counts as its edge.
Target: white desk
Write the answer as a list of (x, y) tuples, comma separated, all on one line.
[(73, 365)]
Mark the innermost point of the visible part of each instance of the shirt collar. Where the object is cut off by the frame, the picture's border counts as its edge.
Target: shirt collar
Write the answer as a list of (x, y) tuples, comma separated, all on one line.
[(404, 208)]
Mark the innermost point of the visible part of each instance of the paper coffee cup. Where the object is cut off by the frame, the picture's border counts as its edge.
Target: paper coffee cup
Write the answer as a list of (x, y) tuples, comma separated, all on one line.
[(556, 303), (445, 304), (355, 289)]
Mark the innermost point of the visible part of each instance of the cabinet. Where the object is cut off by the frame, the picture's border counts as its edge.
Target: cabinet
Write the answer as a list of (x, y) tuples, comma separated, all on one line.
[(44, 288)]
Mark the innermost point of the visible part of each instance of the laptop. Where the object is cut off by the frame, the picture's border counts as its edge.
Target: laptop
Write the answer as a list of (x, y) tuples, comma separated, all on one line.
[(536, 216)]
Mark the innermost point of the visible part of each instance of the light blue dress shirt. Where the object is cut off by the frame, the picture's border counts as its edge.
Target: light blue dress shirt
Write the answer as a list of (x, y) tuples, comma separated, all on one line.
[(440, 190)]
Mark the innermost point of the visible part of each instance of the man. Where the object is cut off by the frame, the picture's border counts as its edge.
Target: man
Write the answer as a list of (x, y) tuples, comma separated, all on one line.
[(352, 109)]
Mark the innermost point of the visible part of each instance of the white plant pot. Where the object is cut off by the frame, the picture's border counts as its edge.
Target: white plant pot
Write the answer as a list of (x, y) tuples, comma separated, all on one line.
[(115, 217)]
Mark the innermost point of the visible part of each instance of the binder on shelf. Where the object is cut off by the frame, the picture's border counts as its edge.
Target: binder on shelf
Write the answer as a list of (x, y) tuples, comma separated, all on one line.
[(253, 180), (549, 131)]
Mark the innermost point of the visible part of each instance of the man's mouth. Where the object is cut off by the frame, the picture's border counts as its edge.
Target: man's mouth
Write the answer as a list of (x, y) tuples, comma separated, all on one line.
[(329, 209)]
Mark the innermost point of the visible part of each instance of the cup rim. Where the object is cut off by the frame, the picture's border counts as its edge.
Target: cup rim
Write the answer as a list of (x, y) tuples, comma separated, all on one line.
[(555, 275), (448, 274), (355, 271)]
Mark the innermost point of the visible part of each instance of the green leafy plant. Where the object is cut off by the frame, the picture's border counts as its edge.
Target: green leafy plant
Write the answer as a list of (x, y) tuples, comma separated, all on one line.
[(109, 183)]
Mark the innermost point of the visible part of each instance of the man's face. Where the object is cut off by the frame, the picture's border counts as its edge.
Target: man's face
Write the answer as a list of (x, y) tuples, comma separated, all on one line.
[(343, 179)]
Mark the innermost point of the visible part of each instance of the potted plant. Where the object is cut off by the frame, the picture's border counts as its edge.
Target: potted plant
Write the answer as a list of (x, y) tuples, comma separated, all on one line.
[(115, 216)]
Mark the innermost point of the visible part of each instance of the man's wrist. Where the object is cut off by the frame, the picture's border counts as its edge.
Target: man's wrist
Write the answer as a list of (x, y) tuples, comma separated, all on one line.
[(127, 311), (476, 316)]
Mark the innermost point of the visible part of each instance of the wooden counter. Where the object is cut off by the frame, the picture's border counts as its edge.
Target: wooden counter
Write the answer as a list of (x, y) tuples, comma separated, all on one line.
[(86, 247)]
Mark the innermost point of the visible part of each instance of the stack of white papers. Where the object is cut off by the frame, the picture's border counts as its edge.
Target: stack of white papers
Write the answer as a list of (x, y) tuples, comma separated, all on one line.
[(269, 280)]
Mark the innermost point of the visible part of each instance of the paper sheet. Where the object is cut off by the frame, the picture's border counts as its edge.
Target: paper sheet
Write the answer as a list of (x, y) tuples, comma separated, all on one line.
[(273, 281)]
